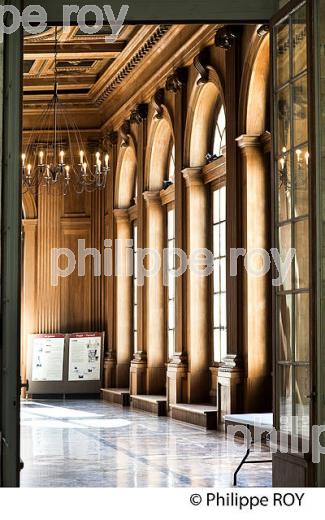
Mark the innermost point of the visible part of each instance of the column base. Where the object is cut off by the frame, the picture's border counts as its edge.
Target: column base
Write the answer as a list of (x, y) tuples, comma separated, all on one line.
[(230, 388), (109, 370), (177, 379), (214, 370), (138, 373)]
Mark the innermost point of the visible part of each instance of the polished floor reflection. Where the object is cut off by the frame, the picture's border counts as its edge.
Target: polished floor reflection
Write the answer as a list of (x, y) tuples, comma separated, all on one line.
[(95, 444)]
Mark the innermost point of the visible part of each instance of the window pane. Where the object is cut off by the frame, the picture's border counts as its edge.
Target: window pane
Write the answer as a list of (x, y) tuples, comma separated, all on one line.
[(301, 230), (171, 314), (285, 389), (216, 276), (216, 240), (302, 327), (301, 181), (284, 125), (223, 310), (282, 53), (223, 338), (171, 286), (302, 402), (171, 223), (216, 206), (222, 192), (223, 276), (300, 111), (284, 246), (216, 345), (216, 310), (284, 197), (171, 343), (299, 40), (285, 327)]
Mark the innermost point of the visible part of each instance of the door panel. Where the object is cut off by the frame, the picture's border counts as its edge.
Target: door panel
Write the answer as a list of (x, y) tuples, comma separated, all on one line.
[(10, 261)]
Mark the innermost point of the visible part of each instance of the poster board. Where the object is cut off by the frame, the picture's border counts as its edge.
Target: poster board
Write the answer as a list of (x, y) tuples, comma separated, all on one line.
[(47, 357), (64, 364)]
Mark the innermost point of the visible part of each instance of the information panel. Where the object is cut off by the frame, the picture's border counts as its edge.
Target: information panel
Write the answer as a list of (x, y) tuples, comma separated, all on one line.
[(47, 357), (85, 357)]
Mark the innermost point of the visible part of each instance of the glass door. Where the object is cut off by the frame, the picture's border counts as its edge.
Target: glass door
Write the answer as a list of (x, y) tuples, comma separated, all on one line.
[(292, 222), (319, 50)]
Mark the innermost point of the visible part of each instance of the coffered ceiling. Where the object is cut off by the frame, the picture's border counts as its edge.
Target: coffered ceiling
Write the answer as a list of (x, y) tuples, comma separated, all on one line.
[(82, 61)]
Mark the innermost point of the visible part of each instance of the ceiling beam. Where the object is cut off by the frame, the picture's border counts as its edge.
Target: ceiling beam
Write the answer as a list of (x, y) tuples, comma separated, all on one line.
[(73, 50)]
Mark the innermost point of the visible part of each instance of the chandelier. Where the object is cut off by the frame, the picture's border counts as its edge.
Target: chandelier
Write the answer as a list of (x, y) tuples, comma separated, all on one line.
[(301, 169), (56, 158)]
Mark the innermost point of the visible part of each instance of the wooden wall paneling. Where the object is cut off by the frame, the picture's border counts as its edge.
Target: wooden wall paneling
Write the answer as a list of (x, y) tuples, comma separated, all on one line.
[(48, 237), (76, 290)]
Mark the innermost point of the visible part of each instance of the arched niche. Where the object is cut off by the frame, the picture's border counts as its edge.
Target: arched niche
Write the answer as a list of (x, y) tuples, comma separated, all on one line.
[(29, 209), (126, 176), (254, 96), (160, 143), (201, 117)]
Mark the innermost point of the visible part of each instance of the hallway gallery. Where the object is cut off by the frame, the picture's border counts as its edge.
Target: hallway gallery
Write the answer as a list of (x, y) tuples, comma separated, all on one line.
[(95, 444)]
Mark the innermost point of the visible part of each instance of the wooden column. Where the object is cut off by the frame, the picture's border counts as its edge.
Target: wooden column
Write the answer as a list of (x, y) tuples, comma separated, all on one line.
[(256, 337), (29, 289), (123, 260), (139, 362), (197, 294), (109, 283), (177, 366), (155, 294)]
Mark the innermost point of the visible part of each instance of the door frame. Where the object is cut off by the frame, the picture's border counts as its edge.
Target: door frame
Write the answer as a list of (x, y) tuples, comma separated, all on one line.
[(140, 11)]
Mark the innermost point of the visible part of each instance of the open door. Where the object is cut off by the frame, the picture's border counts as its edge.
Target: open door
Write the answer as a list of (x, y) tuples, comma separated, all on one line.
[(10, 102), (293, 228)]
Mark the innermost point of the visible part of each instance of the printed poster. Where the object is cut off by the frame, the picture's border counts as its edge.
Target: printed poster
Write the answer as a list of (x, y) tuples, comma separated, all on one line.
[(47, 357), (84, 357)]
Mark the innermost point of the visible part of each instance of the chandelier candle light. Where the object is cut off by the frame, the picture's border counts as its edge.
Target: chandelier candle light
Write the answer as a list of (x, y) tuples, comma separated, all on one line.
[(49, 161)]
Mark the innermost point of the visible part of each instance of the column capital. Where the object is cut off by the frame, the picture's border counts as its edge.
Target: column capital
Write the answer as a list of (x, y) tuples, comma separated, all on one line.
[(193, 176), (249, 141), (121, 215), (152, 198)]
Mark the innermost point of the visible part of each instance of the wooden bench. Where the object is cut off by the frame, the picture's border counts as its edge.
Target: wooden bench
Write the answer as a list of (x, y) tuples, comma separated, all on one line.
[(204, 415), (119, 396)]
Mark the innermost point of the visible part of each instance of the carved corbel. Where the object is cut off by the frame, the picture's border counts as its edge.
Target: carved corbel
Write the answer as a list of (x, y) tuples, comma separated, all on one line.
[(157, 102), (200, 62), (125, 133), (226, 36), (139, 114), (176, 80)]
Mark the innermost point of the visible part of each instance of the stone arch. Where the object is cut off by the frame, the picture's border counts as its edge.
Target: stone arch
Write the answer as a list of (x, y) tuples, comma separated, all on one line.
[(126, 176), (161, 136), (200, 118), (254, 105)]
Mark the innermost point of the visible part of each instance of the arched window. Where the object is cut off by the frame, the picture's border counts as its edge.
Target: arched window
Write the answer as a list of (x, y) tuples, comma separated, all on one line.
[(171, 280), (219, 135), (135, 288), (171, 163), (219, 276)]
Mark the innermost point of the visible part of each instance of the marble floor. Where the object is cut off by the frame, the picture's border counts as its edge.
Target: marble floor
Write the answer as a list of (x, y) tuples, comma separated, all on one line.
[(90, 443)]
